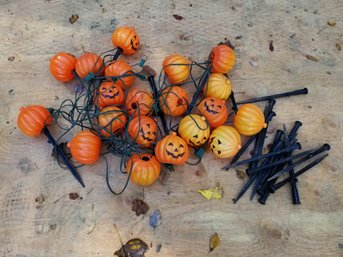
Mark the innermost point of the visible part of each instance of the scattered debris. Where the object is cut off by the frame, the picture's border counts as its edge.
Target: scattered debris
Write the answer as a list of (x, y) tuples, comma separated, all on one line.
[(53, 226), (40, 199), (200, 171), (11, 92), (56, 97), (338, 46), (271, 46), (133, 248), (253, 62), (155, 219), (73, 18), (216, 193), (331, 22), (139, 207), (158, 248), (177, 17), (311, 58), (241, 174), (238, 37), (214, 242), (11, 58), (73, 196)]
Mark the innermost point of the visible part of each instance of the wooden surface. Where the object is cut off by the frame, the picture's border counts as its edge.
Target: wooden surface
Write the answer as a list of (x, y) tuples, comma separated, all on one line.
[(38, 219)]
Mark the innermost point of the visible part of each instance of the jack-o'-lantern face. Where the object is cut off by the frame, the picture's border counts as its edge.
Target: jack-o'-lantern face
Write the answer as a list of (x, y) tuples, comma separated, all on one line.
[(147, 133), (214, 110), (110, 94), (134, 41), (196, 141), (175, 151), (215, 145), (127, 39), (212, 107)]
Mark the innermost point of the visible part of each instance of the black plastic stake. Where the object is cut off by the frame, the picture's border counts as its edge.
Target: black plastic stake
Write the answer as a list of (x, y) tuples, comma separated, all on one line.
[(117, 53), (61, 153)]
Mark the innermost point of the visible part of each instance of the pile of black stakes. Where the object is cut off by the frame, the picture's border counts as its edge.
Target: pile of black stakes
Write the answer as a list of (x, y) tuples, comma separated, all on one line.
[(265, 170)]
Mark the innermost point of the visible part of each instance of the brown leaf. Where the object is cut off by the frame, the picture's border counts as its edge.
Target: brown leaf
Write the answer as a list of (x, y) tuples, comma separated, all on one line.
[(311, 58), (139, 207), (73, 196), (214, 241), (73, 18), (177, 17), (133, 248), (241, 174), (338, 46), (271, 46)]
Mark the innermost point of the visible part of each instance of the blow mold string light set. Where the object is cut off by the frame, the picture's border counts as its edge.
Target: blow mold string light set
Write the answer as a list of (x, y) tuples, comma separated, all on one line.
[(107, 109)]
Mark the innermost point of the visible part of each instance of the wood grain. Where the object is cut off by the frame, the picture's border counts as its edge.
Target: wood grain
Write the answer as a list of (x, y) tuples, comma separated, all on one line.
[(38, 219)]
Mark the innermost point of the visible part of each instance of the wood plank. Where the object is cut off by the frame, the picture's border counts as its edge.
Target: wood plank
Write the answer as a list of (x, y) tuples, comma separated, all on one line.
[(33, 31)]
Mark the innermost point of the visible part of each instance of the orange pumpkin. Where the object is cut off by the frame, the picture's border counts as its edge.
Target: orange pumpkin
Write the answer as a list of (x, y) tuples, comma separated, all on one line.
[(139, 102), (225, 142), (120, 68), (174, 101), (126, 38), (110, 93), (32, 120), (214, 110), (172, 149), (89, 63), (143, 129), (145, 169), (177, 68), (111, 120), (249, 120), (85, 147), (222, 58), (218, 86), (62, 66)]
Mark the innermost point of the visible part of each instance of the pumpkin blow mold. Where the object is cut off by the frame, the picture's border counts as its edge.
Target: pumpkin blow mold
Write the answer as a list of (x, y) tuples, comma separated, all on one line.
[(126, 40), (225, 142), (214, 110), (194, 129), (249, 120), (172, 149)]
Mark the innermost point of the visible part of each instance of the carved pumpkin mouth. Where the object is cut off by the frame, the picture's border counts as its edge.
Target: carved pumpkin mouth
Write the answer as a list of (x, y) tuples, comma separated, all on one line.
[(110, 96), (175, 156), (210, 108), (199, 142)]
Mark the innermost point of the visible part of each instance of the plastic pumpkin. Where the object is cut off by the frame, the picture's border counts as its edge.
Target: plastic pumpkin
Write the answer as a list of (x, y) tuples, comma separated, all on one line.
[(172, 149), (225, 142), (32, 120), (139, 102), (218, 86), (174, 101), (89, 63), (127, 39), (111, 119), (110, 93), (214, 110), (143, 129), (85, 147), (222, 58), (119, 68), (249, 120), (194, 129), (62, 66), (145, 169), (177, 68)]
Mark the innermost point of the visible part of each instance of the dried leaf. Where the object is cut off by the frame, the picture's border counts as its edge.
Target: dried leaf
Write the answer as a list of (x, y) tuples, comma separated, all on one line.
[(331, 22), (177, 17), (139, 207), (338, 46), (73, 18), (240, 174), (311, 58), (214, 242), (73, 196), (271, 46), (155, 219), (133, 248), (210, 193)]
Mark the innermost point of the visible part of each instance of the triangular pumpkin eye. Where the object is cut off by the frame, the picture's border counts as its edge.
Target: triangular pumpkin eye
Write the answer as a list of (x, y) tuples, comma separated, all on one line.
[(170, 144), (195, 136), (148, 125)]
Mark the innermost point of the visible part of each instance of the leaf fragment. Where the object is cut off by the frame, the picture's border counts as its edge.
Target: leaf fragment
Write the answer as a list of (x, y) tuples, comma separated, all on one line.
[(216, 193), (214, 241)]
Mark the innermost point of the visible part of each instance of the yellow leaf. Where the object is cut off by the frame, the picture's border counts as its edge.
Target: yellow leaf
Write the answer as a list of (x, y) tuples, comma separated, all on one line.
[(210, 193), (214, 242)]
